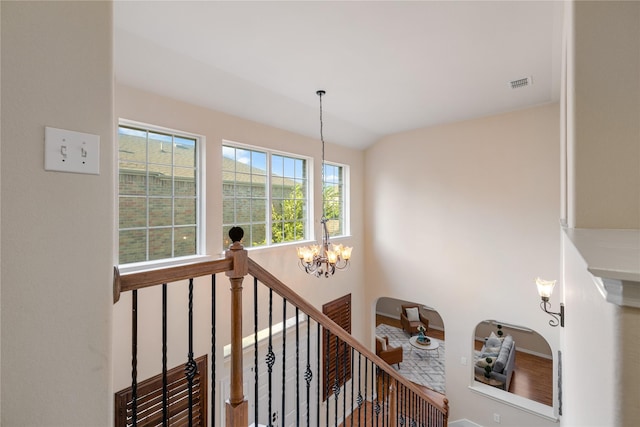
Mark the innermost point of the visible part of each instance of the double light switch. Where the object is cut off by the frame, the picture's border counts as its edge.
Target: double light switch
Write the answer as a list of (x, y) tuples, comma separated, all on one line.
[(70, 151)]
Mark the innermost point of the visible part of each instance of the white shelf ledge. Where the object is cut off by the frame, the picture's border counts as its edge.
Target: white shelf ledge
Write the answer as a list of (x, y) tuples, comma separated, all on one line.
[(613, 258)]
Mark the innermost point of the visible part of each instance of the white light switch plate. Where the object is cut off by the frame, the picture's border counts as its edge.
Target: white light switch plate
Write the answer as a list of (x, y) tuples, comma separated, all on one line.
[(70, 151)]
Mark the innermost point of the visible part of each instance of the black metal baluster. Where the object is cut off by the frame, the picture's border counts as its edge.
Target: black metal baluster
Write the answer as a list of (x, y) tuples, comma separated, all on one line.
[(318, 339), (336, 382), (213, 349), (344, 381), (412, 423), (308, 375), (385, 399), (297, 369), (409, 413), (412, 412), (326, 376), (389, 397), (359, 399), (190, 368), (404, 404), (352, 380), (374, 391), (399, 404), (284, 358), (382, 378), (256, 398), (427, 414), (366, 365), (165, 403), (134, 357), (400, 420), (271, 358), (403, 419)]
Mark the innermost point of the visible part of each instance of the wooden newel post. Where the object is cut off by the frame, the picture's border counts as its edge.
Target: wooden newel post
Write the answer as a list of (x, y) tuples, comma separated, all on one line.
[(237, 408)]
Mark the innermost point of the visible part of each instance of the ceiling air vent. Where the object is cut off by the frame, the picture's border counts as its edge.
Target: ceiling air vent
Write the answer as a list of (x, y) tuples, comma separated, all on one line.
[(516, 84)]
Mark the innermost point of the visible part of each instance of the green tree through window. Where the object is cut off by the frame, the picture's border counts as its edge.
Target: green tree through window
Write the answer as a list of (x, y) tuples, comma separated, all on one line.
[(288, 218)]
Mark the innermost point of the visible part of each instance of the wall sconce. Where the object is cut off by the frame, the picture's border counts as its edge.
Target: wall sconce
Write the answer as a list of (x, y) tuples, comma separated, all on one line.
[(545, 289)]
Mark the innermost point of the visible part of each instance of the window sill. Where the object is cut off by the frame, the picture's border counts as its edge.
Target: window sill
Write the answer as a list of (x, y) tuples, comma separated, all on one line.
[(289, 244), (514, 400)]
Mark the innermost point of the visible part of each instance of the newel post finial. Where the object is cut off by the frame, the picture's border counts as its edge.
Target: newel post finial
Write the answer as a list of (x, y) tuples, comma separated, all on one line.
[(238, 253)]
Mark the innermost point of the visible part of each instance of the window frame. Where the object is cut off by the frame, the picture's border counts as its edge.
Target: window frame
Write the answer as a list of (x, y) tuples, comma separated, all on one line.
[(344, 214), (200, 199), (269, 152)]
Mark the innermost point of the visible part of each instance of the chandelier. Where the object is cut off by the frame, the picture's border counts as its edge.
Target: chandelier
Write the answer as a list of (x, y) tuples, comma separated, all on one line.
[(326, 258)]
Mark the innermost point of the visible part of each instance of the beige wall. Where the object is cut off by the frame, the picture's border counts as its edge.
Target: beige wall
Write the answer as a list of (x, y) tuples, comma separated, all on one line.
[(144, 107), (57, 228), (465, 216), (603, 130), (604, 115), (588, 400)]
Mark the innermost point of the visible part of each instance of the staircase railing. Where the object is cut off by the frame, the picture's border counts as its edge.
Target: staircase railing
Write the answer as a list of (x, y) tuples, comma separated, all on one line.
[(360, 388)]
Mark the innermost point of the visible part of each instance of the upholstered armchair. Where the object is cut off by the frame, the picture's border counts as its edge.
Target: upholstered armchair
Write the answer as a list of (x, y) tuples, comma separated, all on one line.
[(391, 355), (412, 319)]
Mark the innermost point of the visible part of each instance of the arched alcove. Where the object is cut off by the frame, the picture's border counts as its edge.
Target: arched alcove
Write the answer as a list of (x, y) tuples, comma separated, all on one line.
[(514, 359), (397, 332)]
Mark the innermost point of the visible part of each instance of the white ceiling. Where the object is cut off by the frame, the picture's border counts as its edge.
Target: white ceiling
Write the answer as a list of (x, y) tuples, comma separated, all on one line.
[(387, 67)]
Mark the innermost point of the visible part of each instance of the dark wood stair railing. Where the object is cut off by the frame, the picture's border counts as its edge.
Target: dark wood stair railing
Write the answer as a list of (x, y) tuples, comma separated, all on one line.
[(398, 400)]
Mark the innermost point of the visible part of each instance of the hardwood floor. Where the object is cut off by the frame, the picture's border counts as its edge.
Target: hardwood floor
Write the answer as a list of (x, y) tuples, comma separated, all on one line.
[(532, 377)]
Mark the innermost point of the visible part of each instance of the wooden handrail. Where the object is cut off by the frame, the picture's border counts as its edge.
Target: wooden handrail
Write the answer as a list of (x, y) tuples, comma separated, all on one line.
[(284, 291), (139, 280), (144, 279)]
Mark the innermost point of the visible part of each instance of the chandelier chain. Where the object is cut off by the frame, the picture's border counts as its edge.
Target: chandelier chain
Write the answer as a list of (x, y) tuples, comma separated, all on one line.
[(322, 260), (320, 93)]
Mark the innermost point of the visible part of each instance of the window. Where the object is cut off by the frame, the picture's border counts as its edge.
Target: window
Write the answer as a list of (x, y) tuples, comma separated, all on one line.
[(333, 192), (158, 194), (266, 194)]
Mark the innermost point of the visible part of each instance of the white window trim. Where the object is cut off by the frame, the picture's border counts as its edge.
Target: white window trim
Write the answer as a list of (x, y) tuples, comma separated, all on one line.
[(346, 197), (201, 180)]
